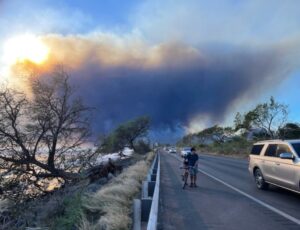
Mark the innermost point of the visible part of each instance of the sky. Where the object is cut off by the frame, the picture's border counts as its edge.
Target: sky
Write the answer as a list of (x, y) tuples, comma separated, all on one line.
[(188, 64)]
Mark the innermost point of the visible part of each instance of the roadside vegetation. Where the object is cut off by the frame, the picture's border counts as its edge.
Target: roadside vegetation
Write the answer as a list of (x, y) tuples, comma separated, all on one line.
[(238, 147), (267, 120), (41, 137), (86, 204), (111, 207), (48, 179), (132, 134)]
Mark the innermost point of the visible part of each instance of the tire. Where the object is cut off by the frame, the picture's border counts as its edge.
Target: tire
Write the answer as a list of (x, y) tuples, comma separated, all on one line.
[(185, 179), (259, 180)]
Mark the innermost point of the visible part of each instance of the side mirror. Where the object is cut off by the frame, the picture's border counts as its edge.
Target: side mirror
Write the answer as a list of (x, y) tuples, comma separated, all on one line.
[(286, 156)]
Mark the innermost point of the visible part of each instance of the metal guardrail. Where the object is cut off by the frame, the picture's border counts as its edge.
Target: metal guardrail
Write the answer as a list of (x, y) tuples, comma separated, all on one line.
[(146, 209), (152, 222)]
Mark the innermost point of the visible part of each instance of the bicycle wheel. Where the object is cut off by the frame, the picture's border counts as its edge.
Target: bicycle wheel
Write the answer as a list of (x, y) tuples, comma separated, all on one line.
[(186, 175)]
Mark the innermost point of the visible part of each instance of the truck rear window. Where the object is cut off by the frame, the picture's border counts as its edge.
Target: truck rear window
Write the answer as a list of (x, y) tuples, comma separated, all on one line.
[(256, 149)]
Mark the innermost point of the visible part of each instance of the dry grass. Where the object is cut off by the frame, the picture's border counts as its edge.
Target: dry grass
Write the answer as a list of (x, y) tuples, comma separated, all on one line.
[(4, 205), (111, 207)]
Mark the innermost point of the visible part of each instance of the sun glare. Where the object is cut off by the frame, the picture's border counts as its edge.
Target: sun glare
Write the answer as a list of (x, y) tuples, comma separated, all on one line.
[(25, 48)]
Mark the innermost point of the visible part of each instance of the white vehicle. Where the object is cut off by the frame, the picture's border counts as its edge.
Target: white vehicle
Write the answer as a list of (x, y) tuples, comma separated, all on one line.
[(172, 150), (276, 162), (185, 151)]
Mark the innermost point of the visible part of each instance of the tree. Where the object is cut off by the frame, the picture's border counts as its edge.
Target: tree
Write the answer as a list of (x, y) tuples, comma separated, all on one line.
[(290, 131), (270, 116), (142, 146), (126, 134), (244, 121), (188, 139), (238, 121), (40, 137), (249, 119), (216, 133)]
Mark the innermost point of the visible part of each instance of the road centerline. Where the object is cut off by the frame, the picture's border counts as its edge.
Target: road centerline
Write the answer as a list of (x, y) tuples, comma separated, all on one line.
[(258, 201)]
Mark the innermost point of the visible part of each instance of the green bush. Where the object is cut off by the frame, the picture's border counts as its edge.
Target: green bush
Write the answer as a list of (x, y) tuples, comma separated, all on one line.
[(71, 214), (142, 147), (236, 146)]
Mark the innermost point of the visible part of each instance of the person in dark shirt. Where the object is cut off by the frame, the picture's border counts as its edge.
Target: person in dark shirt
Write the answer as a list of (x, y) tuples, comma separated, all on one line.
[(193, 166)]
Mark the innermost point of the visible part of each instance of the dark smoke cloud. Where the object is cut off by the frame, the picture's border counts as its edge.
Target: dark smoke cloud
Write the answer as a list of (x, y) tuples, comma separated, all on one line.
[(172, 83), (175, 93)]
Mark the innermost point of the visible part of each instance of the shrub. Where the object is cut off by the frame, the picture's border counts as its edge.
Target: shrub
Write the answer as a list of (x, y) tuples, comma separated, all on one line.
[(142, 147), (237, 146), (70, 215)]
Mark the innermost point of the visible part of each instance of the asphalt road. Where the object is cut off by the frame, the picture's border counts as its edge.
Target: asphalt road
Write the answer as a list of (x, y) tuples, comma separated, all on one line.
[(226, 198)]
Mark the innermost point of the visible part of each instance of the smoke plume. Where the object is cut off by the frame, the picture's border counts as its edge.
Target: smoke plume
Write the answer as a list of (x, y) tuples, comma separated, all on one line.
[(173, 83)]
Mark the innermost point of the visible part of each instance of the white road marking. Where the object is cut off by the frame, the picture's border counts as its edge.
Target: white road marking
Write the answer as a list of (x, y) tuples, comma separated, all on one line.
[(270, 207)]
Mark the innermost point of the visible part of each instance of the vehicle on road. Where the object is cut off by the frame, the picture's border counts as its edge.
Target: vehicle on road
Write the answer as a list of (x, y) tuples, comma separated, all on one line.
[(172, 150), (276, 162), (185, 151)]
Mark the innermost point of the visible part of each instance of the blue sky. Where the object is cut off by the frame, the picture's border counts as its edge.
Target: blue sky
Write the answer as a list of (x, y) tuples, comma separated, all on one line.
[(210, 26), (288, 93), (66, 16)]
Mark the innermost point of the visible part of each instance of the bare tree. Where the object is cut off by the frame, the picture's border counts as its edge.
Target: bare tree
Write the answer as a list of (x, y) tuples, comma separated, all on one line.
[(40, 137), (270, 116)]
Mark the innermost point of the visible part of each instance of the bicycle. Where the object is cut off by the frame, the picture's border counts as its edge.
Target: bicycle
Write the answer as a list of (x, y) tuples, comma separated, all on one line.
[(185, 176)]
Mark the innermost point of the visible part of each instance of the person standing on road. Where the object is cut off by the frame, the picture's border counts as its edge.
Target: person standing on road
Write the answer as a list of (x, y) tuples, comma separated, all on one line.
[(193, 166)]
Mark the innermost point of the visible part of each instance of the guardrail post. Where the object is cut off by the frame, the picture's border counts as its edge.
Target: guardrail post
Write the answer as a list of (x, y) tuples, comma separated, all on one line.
[(145, 189), (146, 207), (137, 214), (153, 177), (151, 187)]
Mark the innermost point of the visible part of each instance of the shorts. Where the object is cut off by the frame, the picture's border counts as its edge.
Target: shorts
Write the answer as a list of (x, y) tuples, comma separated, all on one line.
[(193, 171)]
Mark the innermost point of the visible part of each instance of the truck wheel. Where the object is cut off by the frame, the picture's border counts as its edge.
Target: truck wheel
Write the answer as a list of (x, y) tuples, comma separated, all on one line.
[(259, 180)]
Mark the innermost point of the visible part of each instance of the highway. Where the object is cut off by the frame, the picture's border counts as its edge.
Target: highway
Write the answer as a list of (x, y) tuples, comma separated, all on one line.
[(226, 198)]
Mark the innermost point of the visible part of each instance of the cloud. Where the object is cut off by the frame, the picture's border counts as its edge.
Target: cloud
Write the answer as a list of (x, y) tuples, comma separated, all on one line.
[(218, 21), (176, 84), (184, 63), (39, 17)]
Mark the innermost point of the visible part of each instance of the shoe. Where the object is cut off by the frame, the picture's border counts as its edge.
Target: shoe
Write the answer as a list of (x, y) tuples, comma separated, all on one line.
[(195, 186), (191, 185)]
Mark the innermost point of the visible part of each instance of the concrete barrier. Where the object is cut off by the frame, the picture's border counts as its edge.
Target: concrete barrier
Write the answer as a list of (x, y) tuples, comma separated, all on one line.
[(146, 209)]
